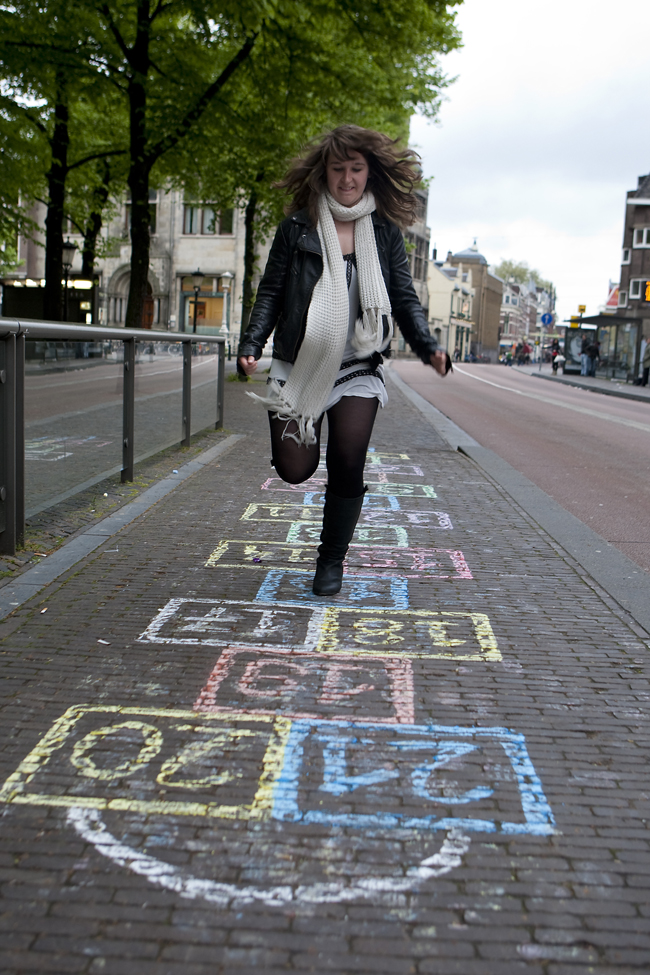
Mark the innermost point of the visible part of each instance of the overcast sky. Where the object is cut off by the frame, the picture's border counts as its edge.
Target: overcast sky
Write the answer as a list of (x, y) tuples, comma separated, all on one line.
[(540, 137)]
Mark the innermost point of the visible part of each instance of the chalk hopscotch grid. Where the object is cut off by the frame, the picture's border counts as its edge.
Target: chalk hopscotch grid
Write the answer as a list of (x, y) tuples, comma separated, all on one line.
[(538, 817), (277, 790), (421, 563), (398, 671), (323, 630), (16, 789)]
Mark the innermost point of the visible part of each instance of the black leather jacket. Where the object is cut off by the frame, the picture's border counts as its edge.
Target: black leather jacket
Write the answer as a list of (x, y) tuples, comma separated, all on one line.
[(294, 266)]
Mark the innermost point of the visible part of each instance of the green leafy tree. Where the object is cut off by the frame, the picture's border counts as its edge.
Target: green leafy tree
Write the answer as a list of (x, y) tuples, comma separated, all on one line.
[(50, 104), (335, 63), (262, 74), (521, 273)]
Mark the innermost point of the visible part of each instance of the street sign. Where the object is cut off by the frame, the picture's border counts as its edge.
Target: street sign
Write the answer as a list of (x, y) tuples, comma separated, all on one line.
[(547, 319)]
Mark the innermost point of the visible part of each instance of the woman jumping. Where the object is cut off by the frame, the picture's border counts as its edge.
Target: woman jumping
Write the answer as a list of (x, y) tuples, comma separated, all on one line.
[(337, 274)]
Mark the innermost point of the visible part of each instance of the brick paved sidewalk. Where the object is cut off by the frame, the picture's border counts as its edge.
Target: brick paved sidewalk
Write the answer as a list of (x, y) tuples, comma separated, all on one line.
[(441, 770)]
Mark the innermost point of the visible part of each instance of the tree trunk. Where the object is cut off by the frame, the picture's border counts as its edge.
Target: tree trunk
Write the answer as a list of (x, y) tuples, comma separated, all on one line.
[(56, 177), (139, 170), (249, 256), (94, 225)]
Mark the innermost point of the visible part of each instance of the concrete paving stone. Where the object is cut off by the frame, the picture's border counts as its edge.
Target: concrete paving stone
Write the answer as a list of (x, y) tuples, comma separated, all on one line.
[(570, 681)]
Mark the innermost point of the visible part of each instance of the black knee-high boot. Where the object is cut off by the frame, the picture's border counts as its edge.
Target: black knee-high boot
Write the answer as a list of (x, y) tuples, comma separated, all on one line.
[(340, 516)]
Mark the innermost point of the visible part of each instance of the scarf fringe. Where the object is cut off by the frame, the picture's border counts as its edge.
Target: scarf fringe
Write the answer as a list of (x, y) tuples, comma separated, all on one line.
[(281, 410)]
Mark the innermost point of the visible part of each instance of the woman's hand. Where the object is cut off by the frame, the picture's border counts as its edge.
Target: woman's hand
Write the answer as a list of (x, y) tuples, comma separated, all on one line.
[(439, 362), (248, 363)]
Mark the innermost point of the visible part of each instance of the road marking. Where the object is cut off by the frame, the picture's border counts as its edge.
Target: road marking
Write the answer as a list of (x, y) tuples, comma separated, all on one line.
[(565, 406)]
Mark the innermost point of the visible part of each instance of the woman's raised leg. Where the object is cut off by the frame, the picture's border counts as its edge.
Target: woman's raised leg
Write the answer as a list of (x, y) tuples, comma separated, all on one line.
[(293, 462)]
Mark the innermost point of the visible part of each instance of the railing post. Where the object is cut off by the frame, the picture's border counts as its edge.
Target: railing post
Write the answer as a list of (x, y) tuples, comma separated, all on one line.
[(128, 410), (187, 393), (221, 369), (8, 448), (20, 438)]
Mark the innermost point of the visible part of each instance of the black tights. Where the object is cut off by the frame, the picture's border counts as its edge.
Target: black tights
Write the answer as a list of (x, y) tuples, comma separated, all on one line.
[(349, 423)]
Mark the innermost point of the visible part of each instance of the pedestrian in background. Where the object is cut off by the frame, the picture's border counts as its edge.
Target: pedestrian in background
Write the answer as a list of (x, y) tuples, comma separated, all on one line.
[(336, 275), (645, 363), (594, 357), (584, 356)]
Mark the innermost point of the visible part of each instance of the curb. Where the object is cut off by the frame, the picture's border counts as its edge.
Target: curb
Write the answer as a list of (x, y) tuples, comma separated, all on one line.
[(593, 389)]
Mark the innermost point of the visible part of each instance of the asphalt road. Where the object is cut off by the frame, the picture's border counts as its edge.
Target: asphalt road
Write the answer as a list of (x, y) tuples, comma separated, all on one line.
[(73, 420), (590, 453)]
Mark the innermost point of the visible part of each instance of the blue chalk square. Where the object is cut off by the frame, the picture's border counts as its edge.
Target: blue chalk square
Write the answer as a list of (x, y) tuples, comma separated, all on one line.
[(371, 592), (422, 777)]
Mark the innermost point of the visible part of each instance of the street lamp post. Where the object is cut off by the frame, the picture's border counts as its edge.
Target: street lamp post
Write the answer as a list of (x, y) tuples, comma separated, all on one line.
[(69, 249), (226, 282), (197, 281), (451, 311)]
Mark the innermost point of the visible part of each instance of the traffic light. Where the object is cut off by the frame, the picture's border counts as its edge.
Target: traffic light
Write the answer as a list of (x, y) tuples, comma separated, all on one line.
[(646, 291)]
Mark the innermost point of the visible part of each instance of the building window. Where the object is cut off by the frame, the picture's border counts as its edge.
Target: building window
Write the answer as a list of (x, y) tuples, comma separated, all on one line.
[(627, 255), (622, 299), (515, 301), (641, 238), (206, 220), (635, 287), (191, 220), (506, 300)]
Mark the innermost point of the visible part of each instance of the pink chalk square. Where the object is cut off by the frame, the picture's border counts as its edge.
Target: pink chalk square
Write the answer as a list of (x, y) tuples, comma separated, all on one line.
[(410, 563), (310, 686)]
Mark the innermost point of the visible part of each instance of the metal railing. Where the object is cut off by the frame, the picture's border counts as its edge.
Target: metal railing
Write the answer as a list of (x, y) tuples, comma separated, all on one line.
[(13, 335)]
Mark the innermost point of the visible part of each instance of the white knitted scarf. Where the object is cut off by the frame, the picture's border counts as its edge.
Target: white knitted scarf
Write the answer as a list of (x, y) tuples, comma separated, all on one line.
[(306, 391)]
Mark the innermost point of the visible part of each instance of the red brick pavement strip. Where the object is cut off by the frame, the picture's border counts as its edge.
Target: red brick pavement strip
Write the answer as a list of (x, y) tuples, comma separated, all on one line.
[(156, 884)]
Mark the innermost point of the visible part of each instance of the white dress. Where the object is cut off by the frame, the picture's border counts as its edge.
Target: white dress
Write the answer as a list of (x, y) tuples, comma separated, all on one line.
[(356, 376)]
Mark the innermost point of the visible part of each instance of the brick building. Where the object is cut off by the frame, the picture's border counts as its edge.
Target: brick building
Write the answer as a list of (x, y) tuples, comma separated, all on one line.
[(634, 290)]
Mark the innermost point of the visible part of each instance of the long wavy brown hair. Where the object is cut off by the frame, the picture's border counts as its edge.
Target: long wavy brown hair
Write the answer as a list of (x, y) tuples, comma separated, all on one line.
[(394, 172)]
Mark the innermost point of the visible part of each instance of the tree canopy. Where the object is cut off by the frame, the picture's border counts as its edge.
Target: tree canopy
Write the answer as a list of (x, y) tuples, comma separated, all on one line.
[(521, 273), (107, 92)]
